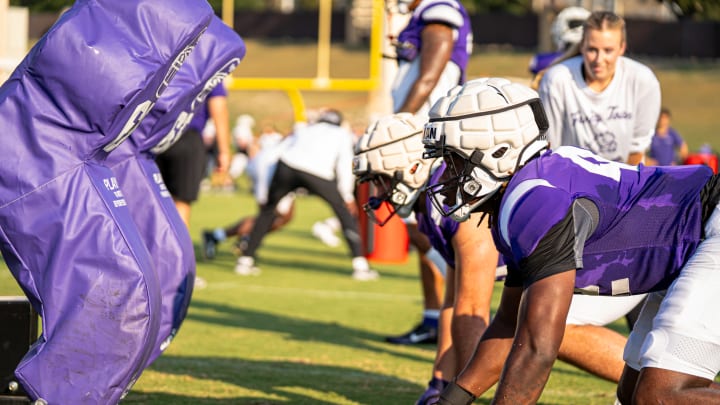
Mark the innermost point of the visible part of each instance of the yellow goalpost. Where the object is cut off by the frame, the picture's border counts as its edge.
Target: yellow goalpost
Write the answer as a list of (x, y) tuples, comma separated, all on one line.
[(322, 81)]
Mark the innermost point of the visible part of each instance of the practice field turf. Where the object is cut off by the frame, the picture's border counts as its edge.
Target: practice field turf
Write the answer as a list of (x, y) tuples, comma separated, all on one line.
[(303, 332)]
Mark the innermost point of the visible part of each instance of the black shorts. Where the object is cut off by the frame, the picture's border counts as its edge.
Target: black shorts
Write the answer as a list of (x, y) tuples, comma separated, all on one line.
[(183, 166)]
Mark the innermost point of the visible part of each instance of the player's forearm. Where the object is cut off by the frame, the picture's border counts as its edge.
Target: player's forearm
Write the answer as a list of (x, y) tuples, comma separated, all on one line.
[(484, 367), (417, 96), (524, 377), (466, 332)]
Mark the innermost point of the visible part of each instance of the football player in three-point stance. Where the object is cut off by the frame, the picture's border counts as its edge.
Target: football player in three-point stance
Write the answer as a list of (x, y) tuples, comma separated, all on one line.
[(432, 52), (568, 221)]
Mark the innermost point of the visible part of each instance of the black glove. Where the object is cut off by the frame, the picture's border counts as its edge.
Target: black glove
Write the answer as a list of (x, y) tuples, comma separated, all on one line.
[(454, 394)]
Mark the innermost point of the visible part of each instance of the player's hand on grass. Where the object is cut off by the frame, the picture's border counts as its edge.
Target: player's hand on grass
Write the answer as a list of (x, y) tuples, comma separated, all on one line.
[(432, 393)]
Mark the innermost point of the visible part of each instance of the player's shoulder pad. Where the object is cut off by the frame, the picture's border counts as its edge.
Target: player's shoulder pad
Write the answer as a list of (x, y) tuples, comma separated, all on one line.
[(441, 11)]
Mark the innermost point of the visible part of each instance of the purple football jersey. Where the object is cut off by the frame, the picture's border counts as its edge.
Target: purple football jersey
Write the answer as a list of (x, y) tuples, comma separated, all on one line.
[(649, 217), (410, 37)]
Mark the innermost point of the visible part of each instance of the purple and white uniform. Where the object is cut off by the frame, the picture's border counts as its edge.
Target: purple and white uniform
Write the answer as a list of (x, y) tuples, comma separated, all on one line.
[(448, 12), (627, 230), (65, 229), (584, 310)]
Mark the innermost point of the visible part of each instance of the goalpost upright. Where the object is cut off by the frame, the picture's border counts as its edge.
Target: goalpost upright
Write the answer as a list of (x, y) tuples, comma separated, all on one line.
[(322, 81)]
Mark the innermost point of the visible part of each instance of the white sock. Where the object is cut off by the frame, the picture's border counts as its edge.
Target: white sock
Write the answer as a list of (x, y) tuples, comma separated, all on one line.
[(437, 259)]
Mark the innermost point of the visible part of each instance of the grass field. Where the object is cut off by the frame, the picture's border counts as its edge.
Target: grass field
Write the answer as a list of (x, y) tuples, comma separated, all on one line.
[(303, 332)]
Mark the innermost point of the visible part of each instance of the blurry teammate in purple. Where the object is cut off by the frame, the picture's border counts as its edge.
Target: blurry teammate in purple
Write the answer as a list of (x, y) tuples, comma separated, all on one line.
[(568, 221), (565, 32), (432, 51), (667, 147)]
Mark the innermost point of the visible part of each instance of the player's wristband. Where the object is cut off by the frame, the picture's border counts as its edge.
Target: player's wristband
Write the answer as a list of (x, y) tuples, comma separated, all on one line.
[(454, 394)]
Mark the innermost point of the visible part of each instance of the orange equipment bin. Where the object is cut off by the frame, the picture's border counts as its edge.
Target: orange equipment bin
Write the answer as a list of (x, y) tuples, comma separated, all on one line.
[(384, 244)]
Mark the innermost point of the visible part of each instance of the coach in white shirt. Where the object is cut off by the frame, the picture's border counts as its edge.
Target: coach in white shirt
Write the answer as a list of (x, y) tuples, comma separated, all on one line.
[(601, 100), (318, 158)]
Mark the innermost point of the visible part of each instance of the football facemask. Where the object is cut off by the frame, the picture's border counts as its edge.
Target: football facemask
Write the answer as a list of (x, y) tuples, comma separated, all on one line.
[(484, 130), (462, 188)]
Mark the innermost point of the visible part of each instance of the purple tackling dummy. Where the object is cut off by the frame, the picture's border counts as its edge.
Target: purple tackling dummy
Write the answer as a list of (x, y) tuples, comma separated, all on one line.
[(217, 54), (65, 229)]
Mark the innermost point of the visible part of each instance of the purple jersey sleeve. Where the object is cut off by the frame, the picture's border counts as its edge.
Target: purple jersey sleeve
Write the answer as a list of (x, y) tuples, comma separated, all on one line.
[(410, 37), (650, 218)]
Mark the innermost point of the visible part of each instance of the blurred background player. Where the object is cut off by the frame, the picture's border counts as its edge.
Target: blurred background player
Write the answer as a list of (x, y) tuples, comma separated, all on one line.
[(183, 165), (601, 100), (566, 33), (318, 158), (432, 51), (263, 153), (667, 147), (243, 140)]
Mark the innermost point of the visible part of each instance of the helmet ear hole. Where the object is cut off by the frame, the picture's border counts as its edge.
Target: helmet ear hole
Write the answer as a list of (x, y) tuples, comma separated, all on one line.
[(500, 152)]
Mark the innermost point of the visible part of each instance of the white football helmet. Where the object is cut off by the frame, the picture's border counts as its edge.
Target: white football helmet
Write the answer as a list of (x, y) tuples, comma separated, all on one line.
[(390, 155), (485, 130), (567, 27)]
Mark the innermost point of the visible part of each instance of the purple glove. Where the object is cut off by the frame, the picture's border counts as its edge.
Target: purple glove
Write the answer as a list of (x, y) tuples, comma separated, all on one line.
[(432, 393)]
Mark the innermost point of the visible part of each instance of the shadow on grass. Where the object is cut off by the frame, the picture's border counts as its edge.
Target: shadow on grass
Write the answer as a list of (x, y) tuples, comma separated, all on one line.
[(301, 330), (274, 382)]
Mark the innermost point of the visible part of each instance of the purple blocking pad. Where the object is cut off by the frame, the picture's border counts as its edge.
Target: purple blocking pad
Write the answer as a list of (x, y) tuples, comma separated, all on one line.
[(216, 55), (65, 229)]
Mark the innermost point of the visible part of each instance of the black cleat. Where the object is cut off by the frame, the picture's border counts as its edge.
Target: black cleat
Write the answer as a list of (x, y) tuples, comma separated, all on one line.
[(421, 334), (209, 245)]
